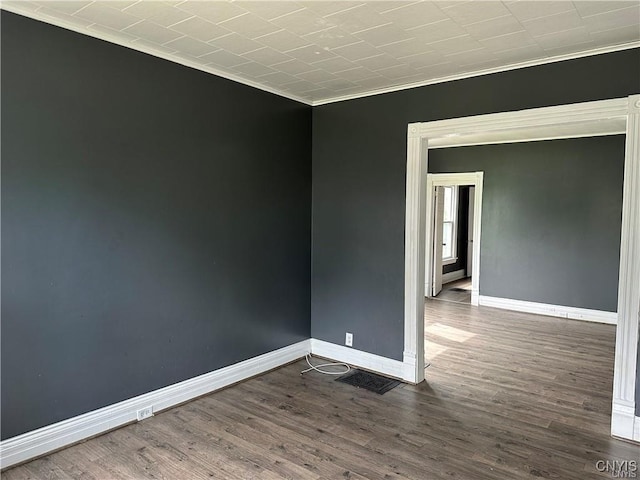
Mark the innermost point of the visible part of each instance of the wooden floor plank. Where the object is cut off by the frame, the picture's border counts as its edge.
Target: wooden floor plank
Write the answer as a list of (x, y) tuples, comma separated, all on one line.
[(508, 395)]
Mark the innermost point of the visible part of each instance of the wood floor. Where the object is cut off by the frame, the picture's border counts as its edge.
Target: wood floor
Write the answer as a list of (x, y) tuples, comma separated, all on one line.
[(508, 396), (456, 291)]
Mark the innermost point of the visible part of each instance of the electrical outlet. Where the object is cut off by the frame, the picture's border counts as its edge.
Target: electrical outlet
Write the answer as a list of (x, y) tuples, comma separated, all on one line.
[(348, 339), (145, 412)]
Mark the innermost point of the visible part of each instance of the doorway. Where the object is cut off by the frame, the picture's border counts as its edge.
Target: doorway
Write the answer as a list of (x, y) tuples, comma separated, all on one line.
[(447, 259), (588, 119), (452, 249)]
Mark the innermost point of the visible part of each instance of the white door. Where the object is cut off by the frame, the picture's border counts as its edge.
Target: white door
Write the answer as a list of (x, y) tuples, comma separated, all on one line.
[(438, 217), (472, 198)]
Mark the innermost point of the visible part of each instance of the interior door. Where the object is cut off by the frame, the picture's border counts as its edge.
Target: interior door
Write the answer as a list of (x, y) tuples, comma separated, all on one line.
[(438, 217), (472, 198)]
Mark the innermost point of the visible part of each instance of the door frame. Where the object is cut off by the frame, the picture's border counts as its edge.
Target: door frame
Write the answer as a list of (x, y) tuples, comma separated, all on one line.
[(474, 179), (589, 119)]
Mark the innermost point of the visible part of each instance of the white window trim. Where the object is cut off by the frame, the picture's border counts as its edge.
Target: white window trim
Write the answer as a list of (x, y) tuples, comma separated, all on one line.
[(454, 231), (588, 119)]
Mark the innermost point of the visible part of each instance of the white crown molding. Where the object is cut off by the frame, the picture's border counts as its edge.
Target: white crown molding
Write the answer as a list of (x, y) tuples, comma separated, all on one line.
[(37, 15), (58, 435), (58, 22), (561, 311), (478, 73), (358, 358)]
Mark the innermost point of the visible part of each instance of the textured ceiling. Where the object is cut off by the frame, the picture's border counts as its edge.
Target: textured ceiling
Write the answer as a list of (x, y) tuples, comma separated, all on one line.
[(321, 51)]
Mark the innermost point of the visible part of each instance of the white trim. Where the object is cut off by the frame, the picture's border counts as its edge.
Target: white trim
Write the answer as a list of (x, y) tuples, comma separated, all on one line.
[(453, 276), (636, 430), (358, 358), (603, 117), (475, 179), (622, 420), (478, 73), (43, 17), (52, 437), (574, 313)]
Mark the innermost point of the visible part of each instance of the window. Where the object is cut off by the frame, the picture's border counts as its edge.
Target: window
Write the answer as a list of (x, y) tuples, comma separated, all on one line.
[(449, 227)]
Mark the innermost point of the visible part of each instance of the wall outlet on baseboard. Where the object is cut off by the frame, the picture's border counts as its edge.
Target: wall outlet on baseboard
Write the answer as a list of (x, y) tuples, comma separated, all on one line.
[(348, 339), (145, 412)]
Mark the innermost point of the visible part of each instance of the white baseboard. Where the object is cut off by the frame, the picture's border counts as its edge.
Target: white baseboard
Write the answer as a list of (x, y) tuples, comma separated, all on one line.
[(52, 437), (551, 310), (453, 276), (358, 358), (624, 423), (636, 430)]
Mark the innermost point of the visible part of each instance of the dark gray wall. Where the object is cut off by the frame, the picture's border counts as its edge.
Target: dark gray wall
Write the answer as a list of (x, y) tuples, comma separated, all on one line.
[(462, 225), (359, 164), (155, 223), (551, 218)]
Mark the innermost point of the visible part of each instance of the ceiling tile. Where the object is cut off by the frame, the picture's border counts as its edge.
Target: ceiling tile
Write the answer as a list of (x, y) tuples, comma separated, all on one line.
[(267, 56), (302, 22), (406, 48), (494, 27), (553, 23), (472, 12), (357, 51), (294, 67), (324, 8), (283, 40), (310, 54), (200, 29), (586, 9), (414, 14), (563, 39), (331, 38), (109, 17), (215, 12), (438, 31), (530, 10), (337, 84), (191, 46), (278, 78), (397, 72), (423, 59), (336, 64), (250, 25), (357, 74), (616, 35), (383, 35), (629, 16), (253, 69), (72, 19), (222, 58), (455, 45), (379, 61), (268, 9), (152, 32), (67, 7), (357, 19), (506, 42), (236, 43), (316, 76), (158, 12)]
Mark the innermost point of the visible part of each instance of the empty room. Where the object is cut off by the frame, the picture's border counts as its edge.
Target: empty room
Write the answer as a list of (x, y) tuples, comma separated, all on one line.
[(320, 240)]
